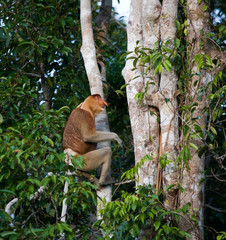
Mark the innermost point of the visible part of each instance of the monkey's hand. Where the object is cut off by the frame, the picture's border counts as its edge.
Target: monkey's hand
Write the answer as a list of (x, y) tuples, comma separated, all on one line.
[(99, 136), (117, 138)]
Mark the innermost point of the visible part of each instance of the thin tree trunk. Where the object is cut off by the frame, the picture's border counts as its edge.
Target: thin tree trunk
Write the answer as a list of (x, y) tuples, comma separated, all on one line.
[(95, 76), (44, 87), (103, 21)]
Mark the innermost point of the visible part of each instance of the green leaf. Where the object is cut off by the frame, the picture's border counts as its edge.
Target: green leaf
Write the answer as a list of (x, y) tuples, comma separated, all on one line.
[(124, 86), (7, 233), (146, 70), (134, 206), (167, 100), (151, 215), (7, 191), (66, 50), (1, 119), (208, 60), (157, 225), (14, 130), (50, 142), (26, 43), (60, 227), (66, 227), (37, 182), (166, 229), (205, 8), (213, 130), (158, 68), (135, 62), (178, 25), (54, 179), (45, 181), (193, 146), (199, 60), (119, 92), (170, 186), (125, 54), (167, 65), (151, 138), (221, 28), (64, 108), (142, 217), (44, 45), (177, 43)]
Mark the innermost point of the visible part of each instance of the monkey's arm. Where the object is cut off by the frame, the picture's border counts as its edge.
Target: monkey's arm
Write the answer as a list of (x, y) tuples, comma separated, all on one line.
[(101, 137)]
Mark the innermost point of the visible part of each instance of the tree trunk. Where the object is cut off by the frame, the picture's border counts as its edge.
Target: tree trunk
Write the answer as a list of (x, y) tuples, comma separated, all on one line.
[(144, 26), (95, 76), (44, 87), (194, 190), (144, 125), (150, 21)]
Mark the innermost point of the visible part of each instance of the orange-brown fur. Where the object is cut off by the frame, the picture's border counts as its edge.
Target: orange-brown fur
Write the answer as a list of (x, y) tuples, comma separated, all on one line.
[(72, 137), (81, 137)]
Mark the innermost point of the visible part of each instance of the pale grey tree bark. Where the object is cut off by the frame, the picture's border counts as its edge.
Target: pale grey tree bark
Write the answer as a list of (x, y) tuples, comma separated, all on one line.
[(142, 123), (147, 25), (95, 76), (152, 21)]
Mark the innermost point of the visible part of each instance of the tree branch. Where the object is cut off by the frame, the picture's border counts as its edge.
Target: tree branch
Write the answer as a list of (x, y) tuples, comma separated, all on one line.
[(213, 208)]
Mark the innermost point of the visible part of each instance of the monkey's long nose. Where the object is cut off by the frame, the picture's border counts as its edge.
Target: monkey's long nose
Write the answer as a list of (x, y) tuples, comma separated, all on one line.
[(105, 103)]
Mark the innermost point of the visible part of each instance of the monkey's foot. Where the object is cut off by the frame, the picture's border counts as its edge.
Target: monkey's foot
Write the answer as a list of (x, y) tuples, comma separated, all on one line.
[(109, 180)]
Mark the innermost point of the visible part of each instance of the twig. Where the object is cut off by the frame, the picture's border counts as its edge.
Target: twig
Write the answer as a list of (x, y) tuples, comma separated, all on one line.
[(120, 24), (29, 218), (28, 74), (40, 190), (219, 160), (221, 180), (124, 182), (215, 209), (10, 204), (31, 74), (121, 183), (55, 207)]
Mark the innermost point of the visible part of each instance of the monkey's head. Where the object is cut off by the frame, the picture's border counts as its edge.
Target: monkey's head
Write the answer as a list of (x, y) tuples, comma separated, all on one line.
[(94, 103)]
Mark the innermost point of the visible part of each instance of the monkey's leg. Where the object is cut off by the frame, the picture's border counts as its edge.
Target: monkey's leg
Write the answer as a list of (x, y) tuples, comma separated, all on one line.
[(97, 158)]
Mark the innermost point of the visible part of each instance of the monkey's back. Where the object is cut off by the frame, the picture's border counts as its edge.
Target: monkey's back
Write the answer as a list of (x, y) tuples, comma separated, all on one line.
[(78, 121)]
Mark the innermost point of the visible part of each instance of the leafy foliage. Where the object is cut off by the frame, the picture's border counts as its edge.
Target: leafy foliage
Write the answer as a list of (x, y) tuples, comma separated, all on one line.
[(40, 43), (31, 148), (41, 39), (166, 56), (133, 213)]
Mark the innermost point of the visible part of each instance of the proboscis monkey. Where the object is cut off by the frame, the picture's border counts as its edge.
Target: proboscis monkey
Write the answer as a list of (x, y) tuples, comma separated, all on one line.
[(81, 137)]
